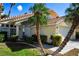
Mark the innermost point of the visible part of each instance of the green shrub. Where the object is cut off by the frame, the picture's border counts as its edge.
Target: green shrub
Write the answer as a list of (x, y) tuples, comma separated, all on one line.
[(3, 36), (57, 40), (42, 37), (13, 38), (34, 37), (77, 34), (28, 39)]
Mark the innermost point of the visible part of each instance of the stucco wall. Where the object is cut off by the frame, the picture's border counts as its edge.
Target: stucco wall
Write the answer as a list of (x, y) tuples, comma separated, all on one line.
[(44, 30), (63, 30)]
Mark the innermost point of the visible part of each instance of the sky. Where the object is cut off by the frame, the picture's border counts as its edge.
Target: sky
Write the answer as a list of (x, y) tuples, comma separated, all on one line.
[(21, 8)]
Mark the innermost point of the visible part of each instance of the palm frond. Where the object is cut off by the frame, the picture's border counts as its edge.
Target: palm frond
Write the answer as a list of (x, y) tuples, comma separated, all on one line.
[(40, 11), (72, 13)]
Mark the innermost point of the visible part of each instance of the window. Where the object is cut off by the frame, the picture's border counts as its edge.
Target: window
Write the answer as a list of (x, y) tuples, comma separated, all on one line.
[(15, 26), (7, 25), (13, 32), (11, 25), (2, 25)]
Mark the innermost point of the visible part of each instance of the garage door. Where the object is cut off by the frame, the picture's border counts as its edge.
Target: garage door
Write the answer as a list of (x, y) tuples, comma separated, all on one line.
[(63, 31)]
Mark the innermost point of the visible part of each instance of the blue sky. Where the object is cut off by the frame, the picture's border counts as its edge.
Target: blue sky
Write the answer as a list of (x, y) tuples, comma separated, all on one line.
[(57, 7)]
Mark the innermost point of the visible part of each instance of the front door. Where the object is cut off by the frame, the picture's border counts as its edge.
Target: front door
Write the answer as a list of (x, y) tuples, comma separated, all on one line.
[(77, 35)]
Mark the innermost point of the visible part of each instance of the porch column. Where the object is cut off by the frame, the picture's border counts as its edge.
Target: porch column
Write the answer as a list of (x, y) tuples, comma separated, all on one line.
[(9, 31), (19, 31), (73, 37)]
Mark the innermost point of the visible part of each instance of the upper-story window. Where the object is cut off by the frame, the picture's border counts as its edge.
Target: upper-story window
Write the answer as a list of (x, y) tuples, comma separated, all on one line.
[(15, 26), (7, 25), (2, 25), (11, 25)]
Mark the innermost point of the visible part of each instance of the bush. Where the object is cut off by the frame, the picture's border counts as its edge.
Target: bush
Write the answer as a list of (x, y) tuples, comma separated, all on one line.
[(77, 35), (28, 39), (13, 38), (57, 40), (42, 37), (34, 38), (3, 36)]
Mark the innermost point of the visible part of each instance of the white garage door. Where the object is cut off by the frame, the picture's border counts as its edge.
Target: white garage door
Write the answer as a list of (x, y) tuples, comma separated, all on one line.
[(63, 31)]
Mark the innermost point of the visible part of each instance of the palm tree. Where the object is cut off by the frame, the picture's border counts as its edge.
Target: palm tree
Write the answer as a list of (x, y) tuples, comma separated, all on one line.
[(12, 4), (1, 9), (39, 18), (72, 15), (4, 16)]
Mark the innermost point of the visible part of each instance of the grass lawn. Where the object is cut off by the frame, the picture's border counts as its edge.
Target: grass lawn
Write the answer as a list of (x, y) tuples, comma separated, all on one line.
[(14, 49)]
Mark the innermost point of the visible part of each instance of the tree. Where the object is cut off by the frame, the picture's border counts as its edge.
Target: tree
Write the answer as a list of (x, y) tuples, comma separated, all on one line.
[(72, 15), (4, 16), (12, 4), (39, 18), (1, 9)]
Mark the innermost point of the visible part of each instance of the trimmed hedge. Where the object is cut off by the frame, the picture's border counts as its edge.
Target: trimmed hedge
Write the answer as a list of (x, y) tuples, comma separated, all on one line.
[(34, 38), (13, 38), (3, 36), (77, 35), (28, 39), (57, 40), (43, 38)]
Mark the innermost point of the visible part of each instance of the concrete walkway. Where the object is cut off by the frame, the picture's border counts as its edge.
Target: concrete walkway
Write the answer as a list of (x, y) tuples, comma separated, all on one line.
[(70, 45)]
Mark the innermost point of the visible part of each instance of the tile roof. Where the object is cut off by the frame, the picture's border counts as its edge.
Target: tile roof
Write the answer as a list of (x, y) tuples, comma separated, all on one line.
[(53, 21), (24, 16), (53, 13), (16, 18)]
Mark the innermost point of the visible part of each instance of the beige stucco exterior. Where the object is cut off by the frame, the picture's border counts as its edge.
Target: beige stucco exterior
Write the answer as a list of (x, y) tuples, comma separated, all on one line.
[(64, 28), (44, 30), (54, 25)]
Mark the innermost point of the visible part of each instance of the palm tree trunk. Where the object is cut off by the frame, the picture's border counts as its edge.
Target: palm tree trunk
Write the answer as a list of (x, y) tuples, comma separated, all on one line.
[(0, 16), (10, 11), (74, 25), (38, 37), (8, 16), (12, 4)]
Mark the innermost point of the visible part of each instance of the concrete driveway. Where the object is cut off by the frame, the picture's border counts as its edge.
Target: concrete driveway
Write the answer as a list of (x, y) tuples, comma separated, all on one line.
[(70, 45)]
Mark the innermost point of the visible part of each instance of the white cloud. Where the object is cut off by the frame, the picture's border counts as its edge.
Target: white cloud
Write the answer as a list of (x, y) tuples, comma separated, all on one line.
[(19, 7)]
